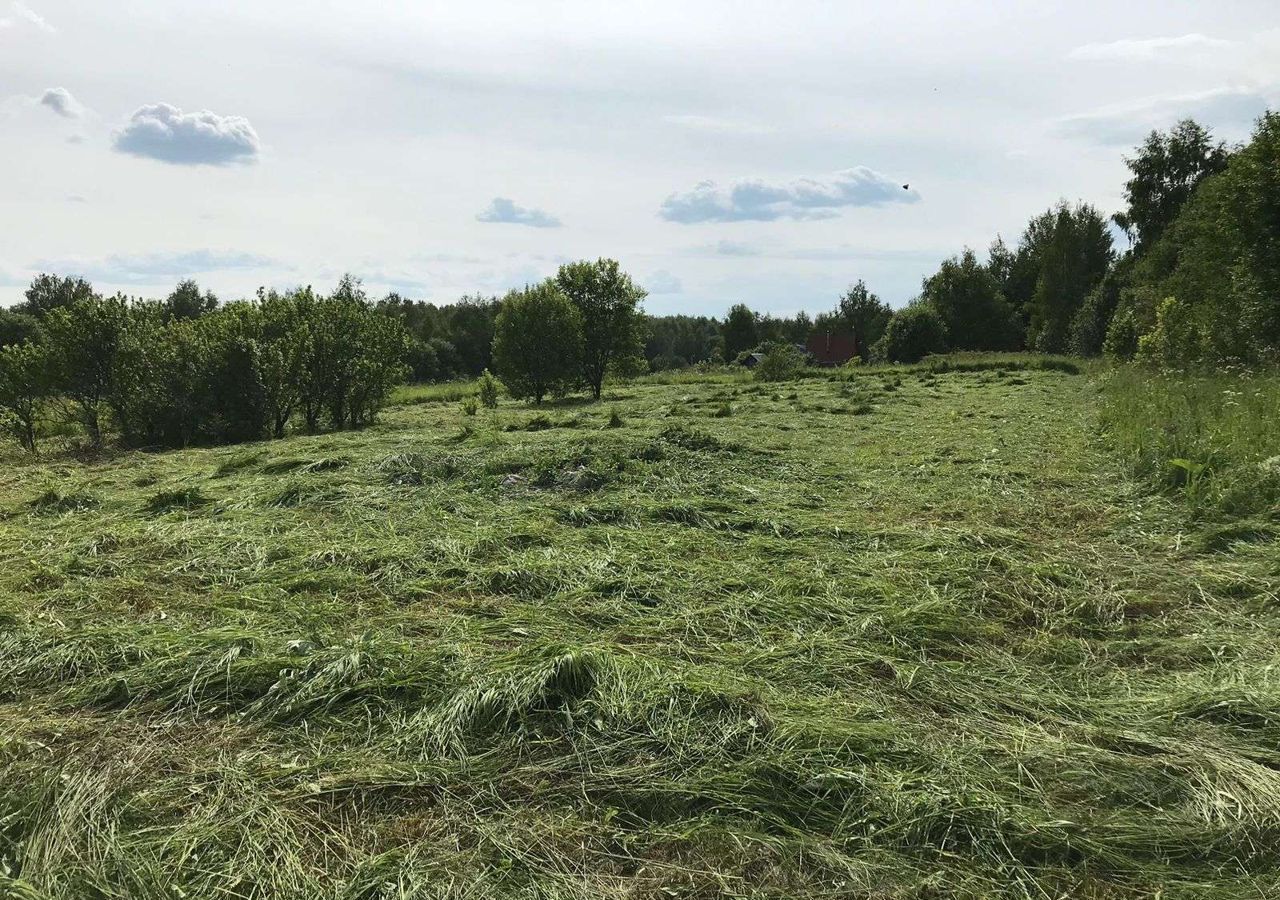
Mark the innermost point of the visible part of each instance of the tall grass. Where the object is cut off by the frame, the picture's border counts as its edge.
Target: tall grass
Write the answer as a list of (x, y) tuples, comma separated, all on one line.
[(1212, 438)]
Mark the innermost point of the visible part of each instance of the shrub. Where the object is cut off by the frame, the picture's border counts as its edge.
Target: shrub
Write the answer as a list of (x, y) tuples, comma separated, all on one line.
[(912, 334), (1177, 337), (488, 390), (781, 362)]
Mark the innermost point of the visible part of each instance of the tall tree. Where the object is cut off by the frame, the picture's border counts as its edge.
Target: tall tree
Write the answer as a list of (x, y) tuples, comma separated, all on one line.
[(1219, 261), (968, 299), (26, 381), (1068, 250), (739, 332), (49, 292), (19, 328), (608, 303), (1165, 171), (470, 328), (85, 336), (537, 342), (1000, 263), (187, 302), (864, 315)]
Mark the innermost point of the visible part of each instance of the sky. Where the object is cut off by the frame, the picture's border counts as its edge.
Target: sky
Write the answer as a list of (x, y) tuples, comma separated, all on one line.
[(766, 153)]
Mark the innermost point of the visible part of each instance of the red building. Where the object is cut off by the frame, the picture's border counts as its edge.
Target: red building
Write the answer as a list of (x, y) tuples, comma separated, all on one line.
[(832, 349)]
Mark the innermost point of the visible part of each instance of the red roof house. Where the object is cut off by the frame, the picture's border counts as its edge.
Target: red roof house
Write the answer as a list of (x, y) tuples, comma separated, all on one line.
[(830, 349)]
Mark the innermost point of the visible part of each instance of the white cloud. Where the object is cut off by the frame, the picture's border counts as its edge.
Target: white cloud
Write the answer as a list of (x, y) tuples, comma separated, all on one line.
[(59, 100), (21, 13), (503, 211), (156, 268), (1231, 110), (662, 282), (804, 198), (1148, 49), (716, 125), (727, 248), (834, 252), (165, 133)]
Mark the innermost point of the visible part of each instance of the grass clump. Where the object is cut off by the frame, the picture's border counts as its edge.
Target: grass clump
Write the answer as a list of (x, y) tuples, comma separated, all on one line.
[(54, 501), (179, 498)]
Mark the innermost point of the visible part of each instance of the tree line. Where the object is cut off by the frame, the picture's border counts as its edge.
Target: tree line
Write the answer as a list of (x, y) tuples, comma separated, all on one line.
[(186, 370), (1198, 285)]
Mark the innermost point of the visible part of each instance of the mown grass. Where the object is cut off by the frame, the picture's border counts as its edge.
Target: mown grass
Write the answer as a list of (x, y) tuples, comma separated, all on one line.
[(905, 634)]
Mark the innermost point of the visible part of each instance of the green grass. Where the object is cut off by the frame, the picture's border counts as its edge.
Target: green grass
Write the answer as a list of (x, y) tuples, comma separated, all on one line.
[(908, 633), (1212, 439)]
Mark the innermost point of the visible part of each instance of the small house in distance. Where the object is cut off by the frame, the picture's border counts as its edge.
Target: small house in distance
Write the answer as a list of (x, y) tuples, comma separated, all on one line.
[(829, 349)]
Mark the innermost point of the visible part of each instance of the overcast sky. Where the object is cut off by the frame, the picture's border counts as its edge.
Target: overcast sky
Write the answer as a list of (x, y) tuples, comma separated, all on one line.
[(723, 151)]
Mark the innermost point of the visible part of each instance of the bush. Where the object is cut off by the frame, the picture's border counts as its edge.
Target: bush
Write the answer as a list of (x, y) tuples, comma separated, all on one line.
[(912, 334), (488, 390), (781, 362), (1177, 337)]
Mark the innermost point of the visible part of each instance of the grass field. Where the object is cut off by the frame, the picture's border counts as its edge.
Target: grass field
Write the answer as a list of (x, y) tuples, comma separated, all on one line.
[(910, 634)]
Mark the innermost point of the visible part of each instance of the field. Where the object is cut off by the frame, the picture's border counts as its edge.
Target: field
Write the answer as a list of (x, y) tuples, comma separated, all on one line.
[(897, 634)]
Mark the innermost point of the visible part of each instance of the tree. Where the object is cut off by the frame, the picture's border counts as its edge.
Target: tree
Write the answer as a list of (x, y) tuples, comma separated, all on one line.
[(19, 328), (26, 381), (1070, 250), (158, 383), (285, 346), (912, 334), (738, 332), (1219, 260), (537, 342), (1093, 318), (1000, 263), (676, 341), (864, 316), (49, 292), (967, 298), (186, 301), (608, 305), (470, 328), (85, 337), (1165, 172)]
